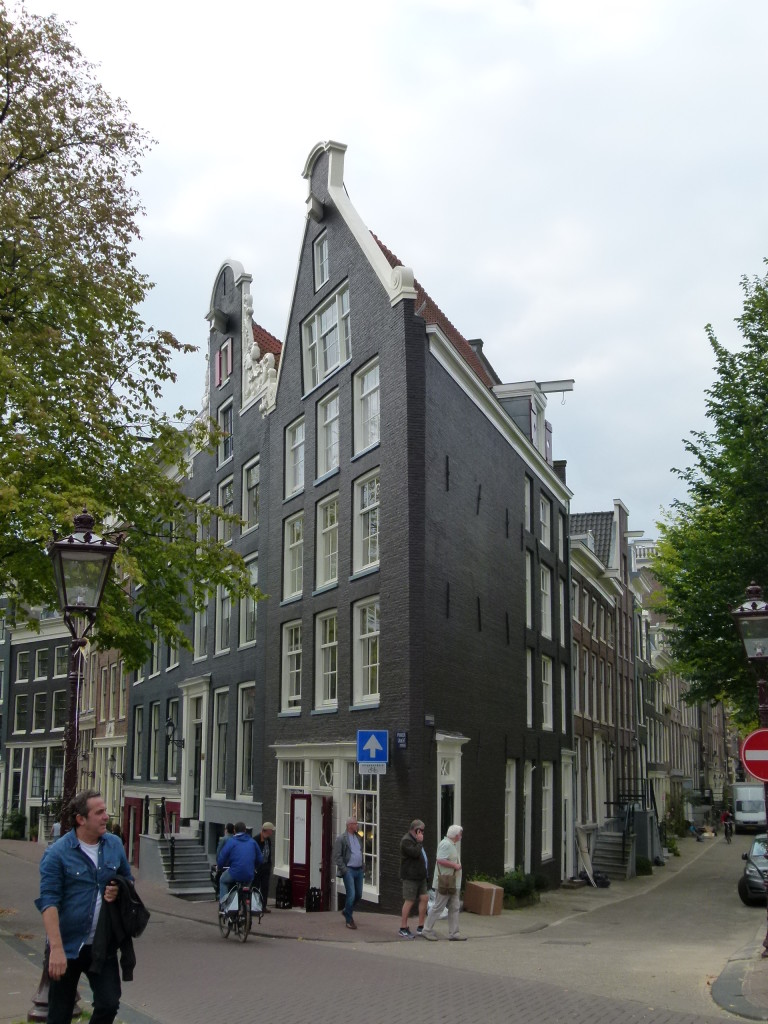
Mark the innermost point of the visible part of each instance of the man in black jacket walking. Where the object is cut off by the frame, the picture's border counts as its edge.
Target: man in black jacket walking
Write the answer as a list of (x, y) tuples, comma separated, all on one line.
[(413, 873)]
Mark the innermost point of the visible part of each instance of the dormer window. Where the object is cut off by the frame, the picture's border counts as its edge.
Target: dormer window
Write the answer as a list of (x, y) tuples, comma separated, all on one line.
[(321, 261), (223, 363)]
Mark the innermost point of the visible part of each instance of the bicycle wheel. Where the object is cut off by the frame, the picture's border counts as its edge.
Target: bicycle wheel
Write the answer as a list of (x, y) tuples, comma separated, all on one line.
[(225, 924), (244, 917)]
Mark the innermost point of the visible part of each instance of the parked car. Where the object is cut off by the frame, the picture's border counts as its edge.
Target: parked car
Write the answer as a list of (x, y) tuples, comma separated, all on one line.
[(751, 887)]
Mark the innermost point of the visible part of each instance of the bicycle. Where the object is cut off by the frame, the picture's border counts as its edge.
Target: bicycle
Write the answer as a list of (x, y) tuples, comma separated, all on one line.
[(237, 919)]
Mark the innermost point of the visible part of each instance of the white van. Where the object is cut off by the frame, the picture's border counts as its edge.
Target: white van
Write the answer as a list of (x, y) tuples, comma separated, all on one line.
[(748, 800)]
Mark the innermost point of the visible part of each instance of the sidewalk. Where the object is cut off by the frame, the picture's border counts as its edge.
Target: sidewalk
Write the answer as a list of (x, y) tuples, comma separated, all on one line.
[(742, 987)]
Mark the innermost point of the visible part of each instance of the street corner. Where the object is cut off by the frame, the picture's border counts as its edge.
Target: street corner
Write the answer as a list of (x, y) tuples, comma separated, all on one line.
[(742, 986)]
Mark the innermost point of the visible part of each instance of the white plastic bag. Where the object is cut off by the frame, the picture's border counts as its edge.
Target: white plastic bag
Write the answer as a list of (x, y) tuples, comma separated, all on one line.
[(232, 901), (256, 907), (432, 895)]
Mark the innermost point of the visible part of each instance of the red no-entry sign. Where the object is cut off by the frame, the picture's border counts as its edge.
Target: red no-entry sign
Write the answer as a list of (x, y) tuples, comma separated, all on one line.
[(754, 754)]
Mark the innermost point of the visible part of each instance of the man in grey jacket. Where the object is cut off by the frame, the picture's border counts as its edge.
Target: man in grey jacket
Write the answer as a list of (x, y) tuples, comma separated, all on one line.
[(348, 858)]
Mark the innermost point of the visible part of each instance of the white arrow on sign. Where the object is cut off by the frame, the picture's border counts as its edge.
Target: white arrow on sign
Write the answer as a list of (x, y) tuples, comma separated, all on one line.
[(372, 747)]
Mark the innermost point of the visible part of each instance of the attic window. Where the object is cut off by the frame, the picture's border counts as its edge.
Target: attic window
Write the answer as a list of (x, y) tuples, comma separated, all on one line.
[(223, 363), (321, 260)]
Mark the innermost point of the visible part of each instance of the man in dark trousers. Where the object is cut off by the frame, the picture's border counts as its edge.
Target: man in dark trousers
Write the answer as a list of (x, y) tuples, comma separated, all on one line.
[(75, 876), (264, 871)]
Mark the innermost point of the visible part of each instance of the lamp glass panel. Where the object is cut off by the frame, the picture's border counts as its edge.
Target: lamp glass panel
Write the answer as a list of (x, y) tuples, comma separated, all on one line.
[(754, 636), (84, 574)]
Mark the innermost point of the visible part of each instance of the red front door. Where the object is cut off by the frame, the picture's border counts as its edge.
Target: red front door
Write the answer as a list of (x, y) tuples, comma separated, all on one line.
[(301, 814)]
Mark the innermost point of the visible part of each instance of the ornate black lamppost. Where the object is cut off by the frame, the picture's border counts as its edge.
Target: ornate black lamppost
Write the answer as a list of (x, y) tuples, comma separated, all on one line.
[(81, 565), (752, 621)]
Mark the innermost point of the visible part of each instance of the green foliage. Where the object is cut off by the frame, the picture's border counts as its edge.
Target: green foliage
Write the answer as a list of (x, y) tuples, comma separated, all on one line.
[(80, 373), (715, 541), (672, 846), (15, 825), (643, 866)]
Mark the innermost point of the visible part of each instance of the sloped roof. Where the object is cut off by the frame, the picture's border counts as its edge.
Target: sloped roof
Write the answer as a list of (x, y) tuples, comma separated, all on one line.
[(427, 308), (267, 342), (601, 525)]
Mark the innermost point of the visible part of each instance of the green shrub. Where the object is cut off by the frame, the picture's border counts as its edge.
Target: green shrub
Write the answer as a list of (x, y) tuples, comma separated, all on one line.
[(518, 884), (15, 825), (643, 866), (672, 846)]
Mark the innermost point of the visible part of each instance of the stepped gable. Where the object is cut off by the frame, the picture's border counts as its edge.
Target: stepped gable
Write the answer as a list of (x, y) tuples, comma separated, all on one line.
[(267, 342), (428, 309), (601, 525)]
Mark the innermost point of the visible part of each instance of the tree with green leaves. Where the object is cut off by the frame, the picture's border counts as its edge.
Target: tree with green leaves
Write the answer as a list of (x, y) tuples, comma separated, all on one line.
[(81, 375), (715, 541)]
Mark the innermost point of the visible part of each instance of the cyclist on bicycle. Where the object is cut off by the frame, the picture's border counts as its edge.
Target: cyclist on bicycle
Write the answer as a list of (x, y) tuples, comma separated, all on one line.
[(239, 856)]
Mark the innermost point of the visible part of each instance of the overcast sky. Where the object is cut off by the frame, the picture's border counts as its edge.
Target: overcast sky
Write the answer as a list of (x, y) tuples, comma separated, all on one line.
[(580, 183)]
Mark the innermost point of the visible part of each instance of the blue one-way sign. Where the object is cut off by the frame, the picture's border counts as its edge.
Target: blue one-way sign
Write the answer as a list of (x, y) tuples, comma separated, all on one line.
[(372, 746)]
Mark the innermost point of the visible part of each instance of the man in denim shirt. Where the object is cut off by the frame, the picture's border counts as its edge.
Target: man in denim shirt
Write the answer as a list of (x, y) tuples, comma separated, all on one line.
[(74, 876)]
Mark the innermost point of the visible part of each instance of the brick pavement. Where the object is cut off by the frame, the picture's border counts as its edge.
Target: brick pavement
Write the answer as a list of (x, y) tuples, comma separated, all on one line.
[(327, 965)]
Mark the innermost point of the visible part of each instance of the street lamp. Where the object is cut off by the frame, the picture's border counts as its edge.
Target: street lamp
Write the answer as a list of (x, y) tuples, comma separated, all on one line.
[(752, 622), (81, 565), (112, 762)]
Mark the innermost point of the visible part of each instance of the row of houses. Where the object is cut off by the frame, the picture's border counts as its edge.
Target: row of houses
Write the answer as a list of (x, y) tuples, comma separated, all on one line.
[(426, 578)]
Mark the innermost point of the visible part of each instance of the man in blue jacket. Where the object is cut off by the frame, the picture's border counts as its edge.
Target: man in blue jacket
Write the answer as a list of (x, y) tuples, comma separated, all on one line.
[(240, 856), (75, 873)]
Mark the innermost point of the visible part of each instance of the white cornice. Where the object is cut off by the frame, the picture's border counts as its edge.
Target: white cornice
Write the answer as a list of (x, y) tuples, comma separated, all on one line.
[(459, 371), (396, 281)]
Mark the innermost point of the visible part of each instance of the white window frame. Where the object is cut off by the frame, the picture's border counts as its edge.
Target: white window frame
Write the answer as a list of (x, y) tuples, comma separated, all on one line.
[(546, 694), (529, 589), (225, 419), (545, 517), (112, 691), (41, 654), (367, 407), (561, 609), (529, 687), (575, 594), (39, 698), (21, 710), (561, 537), (103, 694), (201, 633), (575, 696), (172, 755), (293, 556), (327, 542), (291, 666), (528, 503), (123, 699), (138, 729), (563, 699), (58, 710), (546, 601), (251, 493), (320, 260), (220, 739), (328, 433), (366, 637), (510, 806), (547, 810), (61, 662), (223, 619), (295, 440), (327, 659), (226, 504), (249, 608), (154, 740), (223, 363), (367, 511), (326, 339), (22, 666), (245, 726)]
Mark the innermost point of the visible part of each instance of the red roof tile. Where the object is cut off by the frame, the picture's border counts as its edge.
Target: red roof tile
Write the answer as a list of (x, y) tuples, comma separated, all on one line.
[(428, 309), (267, 342)]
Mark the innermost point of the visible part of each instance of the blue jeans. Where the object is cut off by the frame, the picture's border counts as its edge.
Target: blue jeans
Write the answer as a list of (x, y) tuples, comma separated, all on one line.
[(105, 986), (225, 884), (353, 884)]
